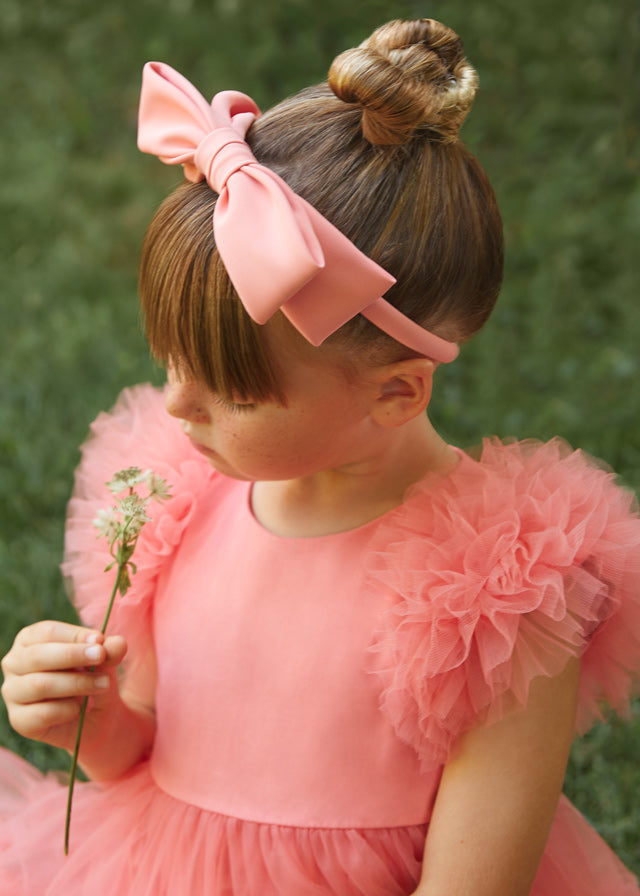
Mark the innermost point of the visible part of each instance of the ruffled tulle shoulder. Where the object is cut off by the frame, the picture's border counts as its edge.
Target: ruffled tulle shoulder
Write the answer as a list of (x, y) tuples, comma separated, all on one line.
[(501, 571), (138, 432)]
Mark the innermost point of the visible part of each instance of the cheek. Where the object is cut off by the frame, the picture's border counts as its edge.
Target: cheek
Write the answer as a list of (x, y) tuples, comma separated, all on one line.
[(281, 444), (247, 438), (280, 452)]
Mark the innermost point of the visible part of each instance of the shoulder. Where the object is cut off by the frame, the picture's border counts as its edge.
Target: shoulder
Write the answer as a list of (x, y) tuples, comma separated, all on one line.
[(520, 558)]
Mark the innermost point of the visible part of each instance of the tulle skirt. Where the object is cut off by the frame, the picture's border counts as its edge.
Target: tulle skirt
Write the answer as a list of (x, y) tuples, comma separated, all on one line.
[(129, 838)]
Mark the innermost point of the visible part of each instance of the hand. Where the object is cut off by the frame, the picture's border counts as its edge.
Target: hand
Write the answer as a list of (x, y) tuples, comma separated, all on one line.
[(51, 667)]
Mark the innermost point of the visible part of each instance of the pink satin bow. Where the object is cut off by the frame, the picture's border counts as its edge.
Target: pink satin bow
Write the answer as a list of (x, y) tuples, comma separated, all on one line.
[(279, 252)]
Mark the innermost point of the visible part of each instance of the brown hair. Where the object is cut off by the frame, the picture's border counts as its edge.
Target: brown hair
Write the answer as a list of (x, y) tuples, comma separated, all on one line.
[(376, 151)]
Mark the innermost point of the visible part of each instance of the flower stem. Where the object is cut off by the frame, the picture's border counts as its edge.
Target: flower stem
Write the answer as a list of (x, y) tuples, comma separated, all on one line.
[(83, 710), (72, 775), (120, 525)]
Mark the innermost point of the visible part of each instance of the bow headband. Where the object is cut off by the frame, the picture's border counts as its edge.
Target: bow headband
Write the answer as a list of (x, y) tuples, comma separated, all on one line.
[(279, 252)]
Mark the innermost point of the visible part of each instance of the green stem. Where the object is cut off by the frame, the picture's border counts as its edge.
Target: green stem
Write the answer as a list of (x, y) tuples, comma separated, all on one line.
[(72, 775), (74, 761)]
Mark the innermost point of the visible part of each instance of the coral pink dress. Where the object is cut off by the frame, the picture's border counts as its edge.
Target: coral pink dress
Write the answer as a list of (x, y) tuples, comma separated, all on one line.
[(310, 689)]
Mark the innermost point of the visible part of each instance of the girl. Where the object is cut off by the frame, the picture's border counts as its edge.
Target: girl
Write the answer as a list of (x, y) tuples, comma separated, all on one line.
[(355, 655)]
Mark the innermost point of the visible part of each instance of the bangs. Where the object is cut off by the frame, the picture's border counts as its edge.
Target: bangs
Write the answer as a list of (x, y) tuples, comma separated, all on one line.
[(193, 318)]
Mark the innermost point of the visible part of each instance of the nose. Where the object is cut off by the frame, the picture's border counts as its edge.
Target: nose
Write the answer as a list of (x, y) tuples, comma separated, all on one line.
[(187, 400)]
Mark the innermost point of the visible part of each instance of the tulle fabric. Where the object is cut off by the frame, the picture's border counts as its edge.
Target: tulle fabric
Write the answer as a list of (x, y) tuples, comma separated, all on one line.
[(131, 838), (502, 571), (577, 862)]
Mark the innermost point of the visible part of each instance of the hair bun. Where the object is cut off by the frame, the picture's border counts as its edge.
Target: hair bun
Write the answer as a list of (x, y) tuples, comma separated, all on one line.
[(408, 77)]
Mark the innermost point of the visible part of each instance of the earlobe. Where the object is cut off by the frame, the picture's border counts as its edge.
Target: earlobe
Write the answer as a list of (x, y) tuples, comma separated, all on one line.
[(404, 391)]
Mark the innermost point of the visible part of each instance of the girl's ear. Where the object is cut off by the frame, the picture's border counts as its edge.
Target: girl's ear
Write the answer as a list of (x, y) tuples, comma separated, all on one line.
[(403, 391)]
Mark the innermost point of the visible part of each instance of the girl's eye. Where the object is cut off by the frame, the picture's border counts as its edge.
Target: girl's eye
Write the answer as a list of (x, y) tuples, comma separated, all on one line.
[(234, 406)]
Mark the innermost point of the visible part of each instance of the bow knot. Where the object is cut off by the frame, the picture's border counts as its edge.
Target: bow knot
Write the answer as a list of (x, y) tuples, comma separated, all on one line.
[(219, 155)]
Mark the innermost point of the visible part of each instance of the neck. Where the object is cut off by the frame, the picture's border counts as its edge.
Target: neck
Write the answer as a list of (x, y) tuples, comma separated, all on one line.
[(336, 500)]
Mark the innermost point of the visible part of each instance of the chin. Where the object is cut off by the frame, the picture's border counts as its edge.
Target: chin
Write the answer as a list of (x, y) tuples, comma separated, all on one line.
[(218, 464)]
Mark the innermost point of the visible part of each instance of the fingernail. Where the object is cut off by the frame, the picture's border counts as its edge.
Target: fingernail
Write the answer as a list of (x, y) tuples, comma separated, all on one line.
[(93, 653), (102, 682), (93, 638)]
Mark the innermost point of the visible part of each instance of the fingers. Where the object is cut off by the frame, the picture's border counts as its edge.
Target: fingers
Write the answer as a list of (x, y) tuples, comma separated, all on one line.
[(38, 703), (52, 656), (50, 630), (42, 686), (50, 668), (39, 721), (54, 646)]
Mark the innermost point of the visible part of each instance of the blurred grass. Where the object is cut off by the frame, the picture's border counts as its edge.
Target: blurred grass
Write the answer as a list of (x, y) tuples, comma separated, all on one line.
[(556, 127)]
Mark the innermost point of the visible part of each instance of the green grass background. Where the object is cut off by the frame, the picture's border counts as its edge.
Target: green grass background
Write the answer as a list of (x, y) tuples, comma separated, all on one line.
[(556, 126)]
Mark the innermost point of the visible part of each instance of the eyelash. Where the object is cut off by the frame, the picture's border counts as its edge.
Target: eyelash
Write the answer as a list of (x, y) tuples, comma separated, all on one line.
[(233, 406)]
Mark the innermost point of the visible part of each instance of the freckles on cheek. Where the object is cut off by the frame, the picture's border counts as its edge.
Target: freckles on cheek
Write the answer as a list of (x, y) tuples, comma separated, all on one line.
[(247, 446)]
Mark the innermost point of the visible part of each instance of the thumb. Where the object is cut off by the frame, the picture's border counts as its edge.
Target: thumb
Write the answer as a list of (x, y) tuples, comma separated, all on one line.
[(115, 647)]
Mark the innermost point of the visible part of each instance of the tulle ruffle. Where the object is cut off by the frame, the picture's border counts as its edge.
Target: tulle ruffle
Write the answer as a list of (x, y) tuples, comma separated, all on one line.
[(131, 838), (136, 433), (501, 571)]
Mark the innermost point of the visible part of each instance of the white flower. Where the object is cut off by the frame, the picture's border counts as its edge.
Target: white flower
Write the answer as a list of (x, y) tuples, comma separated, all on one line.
[(134, 515), (107, 523), (158, 488), (126, 479)]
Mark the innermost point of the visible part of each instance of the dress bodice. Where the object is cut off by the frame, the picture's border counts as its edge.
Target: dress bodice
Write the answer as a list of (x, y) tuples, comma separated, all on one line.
[(267, 708)]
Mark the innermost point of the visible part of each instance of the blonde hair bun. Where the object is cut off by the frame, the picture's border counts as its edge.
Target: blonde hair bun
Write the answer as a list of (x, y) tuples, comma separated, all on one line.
[(408, 77)]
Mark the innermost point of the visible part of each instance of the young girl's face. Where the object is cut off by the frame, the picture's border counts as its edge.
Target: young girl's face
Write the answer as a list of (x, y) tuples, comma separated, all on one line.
[(325, 425)]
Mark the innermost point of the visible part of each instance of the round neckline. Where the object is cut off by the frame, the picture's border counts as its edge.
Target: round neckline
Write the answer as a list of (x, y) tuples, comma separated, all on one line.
[(355, 531)]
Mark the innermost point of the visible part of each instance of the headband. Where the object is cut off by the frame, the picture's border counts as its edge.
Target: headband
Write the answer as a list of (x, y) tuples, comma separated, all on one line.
[(279, 252)]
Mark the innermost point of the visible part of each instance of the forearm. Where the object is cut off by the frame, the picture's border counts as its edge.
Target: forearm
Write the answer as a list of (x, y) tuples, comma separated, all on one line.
[(125, 739)]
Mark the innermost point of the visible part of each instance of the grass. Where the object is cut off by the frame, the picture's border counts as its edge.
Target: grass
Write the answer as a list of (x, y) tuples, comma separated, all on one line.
[(556, 126)]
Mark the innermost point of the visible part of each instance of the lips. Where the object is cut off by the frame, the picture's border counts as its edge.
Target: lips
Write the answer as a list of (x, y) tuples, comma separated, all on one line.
[(202, 449)]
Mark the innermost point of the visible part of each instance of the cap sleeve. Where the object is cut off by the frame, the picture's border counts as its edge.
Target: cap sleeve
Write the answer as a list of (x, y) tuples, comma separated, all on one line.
[(501, 573), (138, 432)]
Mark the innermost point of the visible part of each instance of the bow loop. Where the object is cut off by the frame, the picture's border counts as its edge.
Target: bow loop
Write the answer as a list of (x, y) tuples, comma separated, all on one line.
[(175, 119)]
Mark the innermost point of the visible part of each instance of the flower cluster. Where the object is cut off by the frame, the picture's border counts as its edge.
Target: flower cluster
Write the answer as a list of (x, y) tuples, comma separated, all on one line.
[(122, 523)]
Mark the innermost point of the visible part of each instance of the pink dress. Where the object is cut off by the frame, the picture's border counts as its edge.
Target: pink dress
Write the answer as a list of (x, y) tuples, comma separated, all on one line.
[(310, 689)]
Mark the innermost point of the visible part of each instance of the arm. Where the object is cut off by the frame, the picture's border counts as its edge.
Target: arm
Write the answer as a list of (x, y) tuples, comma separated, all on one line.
[(498, 796), (51, 667)]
